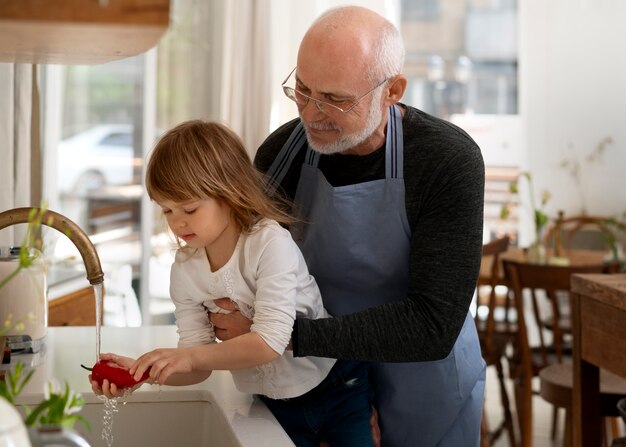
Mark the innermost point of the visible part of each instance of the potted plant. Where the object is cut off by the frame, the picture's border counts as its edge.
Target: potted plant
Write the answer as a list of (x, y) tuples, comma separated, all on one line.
[(57, 412), (536, 250)]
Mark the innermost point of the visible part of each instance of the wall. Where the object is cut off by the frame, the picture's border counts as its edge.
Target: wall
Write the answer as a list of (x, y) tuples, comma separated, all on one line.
[(572, 95)]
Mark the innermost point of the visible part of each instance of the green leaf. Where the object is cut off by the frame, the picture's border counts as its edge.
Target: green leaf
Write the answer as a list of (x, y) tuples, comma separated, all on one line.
[(4, 392), (32, 417), (71, 420), (540, 219), (24, 381), (12, 275), (504, 212)]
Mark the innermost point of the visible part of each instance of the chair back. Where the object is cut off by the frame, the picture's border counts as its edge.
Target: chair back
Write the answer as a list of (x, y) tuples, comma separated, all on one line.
[(578, 232), (493, 277), (547, 287), (542, 329)]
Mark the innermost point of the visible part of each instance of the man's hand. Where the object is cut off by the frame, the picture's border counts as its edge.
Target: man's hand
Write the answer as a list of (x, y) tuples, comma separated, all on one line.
[(229, 325), (375, 427)]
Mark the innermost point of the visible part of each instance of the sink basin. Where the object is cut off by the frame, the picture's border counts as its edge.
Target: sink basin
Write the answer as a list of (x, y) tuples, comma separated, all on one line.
[(196, 422), (211, 413)]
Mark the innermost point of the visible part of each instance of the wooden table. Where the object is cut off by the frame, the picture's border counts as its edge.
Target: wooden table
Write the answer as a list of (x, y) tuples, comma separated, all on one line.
[(575, 257), (599, 326)]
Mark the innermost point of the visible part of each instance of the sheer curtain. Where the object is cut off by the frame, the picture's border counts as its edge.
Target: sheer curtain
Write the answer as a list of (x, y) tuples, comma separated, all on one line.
[(20, 152), (246, 70)]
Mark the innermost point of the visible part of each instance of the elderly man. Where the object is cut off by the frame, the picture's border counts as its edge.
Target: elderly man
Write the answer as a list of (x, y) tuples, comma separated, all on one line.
[(389, 202)]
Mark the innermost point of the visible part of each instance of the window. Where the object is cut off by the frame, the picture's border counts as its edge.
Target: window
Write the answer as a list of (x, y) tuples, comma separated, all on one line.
[(420, 9), (462, 60), (106, 128), (461, 64)]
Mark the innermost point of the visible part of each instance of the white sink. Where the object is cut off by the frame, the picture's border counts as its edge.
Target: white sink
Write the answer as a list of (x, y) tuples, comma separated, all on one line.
[(181, 423)]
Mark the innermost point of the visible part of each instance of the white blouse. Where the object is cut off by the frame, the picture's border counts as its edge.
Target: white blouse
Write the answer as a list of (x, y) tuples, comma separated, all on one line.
[(268, 279)]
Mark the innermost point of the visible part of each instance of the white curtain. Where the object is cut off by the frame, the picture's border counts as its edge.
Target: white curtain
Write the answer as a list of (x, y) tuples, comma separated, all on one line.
[(20, 160), (245, 86)]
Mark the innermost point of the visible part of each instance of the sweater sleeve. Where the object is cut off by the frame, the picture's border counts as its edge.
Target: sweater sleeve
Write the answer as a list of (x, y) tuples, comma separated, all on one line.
[(444, 183), (187, 294)]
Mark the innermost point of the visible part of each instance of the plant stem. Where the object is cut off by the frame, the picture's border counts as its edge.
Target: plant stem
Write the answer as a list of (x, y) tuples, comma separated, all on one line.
[(13, 274)]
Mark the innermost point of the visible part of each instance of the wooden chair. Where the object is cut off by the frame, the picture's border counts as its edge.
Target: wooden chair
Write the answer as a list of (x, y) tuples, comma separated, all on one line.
[(578, 232), (491, 281), (540, 349), (495, 336)]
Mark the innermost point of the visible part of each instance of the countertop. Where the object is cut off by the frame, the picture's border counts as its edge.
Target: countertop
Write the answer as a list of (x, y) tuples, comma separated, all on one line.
[(68, 347)]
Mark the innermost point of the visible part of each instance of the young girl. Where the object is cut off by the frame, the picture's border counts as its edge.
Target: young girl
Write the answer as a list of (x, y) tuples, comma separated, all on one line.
[(231, 245)]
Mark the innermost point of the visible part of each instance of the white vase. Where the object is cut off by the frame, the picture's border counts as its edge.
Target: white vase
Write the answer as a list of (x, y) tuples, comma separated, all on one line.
[(12, 430)]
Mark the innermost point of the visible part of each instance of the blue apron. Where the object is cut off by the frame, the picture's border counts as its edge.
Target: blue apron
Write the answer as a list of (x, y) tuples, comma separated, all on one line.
[(356, 242)]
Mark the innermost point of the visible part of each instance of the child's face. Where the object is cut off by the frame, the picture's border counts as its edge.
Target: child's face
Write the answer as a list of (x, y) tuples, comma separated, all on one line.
[(200, 223)]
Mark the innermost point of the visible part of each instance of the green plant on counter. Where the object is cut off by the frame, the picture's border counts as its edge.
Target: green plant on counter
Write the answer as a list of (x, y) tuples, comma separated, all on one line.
[(59, 407), (14, 383), (611, 225), (60, 404), (540, 218), (26, 258)]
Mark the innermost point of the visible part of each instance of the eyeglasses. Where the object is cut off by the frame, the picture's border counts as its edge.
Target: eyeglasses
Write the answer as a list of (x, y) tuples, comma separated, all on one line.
[(302, 100)]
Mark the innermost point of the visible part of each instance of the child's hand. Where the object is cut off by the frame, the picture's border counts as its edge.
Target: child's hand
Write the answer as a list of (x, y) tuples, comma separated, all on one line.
[(108, 389), (162, 363)]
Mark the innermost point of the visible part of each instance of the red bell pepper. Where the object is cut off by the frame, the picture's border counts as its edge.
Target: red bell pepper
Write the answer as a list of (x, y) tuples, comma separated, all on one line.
[(114, 374)]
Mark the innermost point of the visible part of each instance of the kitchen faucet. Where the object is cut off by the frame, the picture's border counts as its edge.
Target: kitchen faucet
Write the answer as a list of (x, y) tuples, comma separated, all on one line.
[(67, 227)]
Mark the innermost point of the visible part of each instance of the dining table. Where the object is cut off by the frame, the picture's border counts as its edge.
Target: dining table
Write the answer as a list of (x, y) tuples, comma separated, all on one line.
[(599, 329), (577, 257)]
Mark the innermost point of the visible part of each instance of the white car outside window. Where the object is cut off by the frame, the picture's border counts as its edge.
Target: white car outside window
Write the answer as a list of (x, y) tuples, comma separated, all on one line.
[(99, 156)]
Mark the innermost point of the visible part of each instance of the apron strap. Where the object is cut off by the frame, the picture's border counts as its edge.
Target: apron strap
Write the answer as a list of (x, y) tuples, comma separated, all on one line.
[(394, 162), (312, 157), (277, 171)]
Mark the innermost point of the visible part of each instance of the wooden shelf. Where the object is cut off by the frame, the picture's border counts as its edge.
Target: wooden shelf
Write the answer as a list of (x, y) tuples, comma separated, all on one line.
[(74, 309), (79, 31)]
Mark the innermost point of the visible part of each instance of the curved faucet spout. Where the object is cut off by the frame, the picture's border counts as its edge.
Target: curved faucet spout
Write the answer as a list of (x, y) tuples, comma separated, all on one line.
[(67, 227)]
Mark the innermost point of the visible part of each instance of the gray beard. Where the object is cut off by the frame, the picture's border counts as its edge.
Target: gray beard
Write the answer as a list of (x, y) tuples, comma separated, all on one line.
[(345, 142)]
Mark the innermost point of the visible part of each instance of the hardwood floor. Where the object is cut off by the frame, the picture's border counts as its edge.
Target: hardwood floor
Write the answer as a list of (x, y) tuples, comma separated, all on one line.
[(542, 416)]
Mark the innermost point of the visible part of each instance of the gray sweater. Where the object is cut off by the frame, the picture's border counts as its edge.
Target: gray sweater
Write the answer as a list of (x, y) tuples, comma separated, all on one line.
[(444, 183)]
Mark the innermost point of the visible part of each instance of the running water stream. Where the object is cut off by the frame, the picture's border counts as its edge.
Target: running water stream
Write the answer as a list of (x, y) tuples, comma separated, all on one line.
[(110, 408), (98, 290), (110, 405)]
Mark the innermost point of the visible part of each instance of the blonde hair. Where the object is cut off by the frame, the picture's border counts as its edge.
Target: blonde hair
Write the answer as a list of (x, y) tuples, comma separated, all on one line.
[(200, 160)]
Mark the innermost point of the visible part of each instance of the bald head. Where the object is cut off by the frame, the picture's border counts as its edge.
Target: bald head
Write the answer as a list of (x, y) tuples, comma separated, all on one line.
[(355, 39)]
